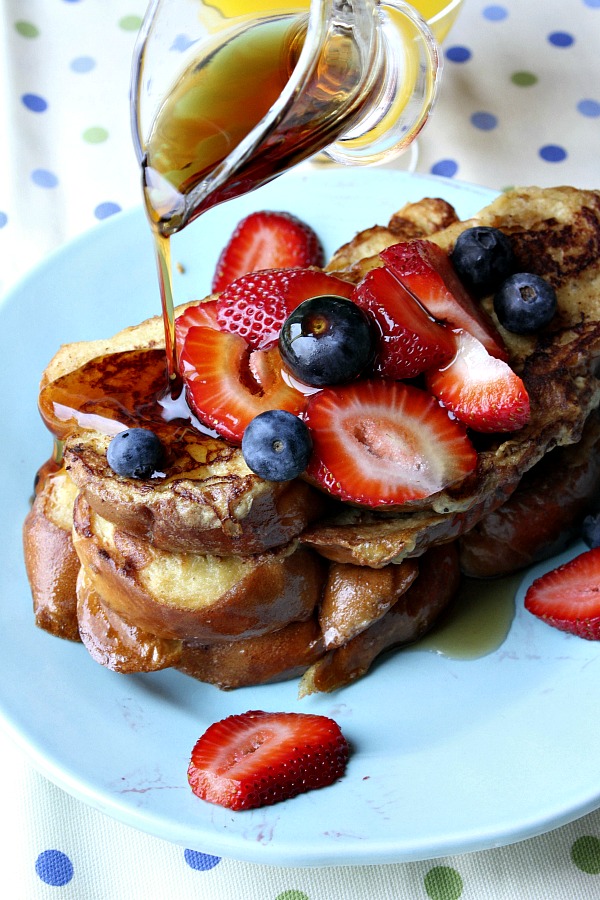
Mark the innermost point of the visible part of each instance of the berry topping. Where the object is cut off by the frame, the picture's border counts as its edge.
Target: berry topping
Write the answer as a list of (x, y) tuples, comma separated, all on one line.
[(482, 258), (524, 303), (257, 305), (425, 269), (384, 443), (260, 758), (267, 240), (327, 340), (481, 390), (411, 341), (135, 453), (568, 598), (590, 530), (203, 313), (228, 383), (277, 445)]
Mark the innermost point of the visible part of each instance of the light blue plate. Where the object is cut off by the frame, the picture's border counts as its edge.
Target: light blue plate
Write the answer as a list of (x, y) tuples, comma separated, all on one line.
[(448, 755)]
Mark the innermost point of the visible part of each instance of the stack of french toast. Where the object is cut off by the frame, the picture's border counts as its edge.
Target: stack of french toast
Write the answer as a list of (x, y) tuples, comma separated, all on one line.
[(236, 581)]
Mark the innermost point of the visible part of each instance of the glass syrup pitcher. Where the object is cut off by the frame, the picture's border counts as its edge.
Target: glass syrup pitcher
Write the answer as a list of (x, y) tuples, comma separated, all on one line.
[(228, 94)]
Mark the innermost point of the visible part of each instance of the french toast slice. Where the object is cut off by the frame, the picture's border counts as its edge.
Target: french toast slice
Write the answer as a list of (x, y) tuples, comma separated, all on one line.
[(195, 597)]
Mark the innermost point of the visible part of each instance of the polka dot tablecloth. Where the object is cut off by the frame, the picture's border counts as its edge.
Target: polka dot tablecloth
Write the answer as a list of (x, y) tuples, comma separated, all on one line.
[(520, 103)]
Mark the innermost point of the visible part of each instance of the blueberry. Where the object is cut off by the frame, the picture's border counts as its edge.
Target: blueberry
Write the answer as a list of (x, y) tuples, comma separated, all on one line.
[(277, 445), (327, 340), (524, 303), (135, 453), (482, 257), (590, 530)]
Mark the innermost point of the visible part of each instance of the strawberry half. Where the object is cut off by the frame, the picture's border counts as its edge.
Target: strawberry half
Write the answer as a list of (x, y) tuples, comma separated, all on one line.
[(267, 240), (384, 443), (411, 340), (260, 758), (568, 597), (425, 269), (481, 390), (202, 313), (228, 383), (257, 305)]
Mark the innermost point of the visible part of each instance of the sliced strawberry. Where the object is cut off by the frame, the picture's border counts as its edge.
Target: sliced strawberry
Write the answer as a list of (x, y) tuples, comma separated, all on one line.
[(568, 597), (411, 340), (202, 313), (384, 443), (228, 384), (260, 758), (267, 240), (426, 270), (257, 305), (481, 390)]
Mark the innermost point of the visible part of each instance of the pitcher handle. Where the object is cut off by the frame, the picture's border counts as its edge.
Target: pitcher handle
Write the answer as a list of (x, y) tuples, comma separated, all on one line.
[(411, 64)]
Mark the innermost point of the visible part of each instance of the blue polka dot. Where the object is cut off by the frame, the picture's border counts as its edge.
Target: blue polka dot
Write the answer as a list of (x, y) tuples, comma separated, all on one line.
[(3, 219), (495, 13), (458, 54), (553, 153), (484, 121), (445, 167), (561, 39), (104, 210), (44, 178), (34, 102), (589, 108), (595, 4), (83, 64), (54, 867), (202, 862)]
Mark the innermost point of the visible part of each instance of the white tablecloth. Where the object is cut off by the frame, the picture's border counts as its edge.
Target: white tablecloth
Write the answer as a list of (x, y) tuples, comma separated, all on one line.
[(520, 103)]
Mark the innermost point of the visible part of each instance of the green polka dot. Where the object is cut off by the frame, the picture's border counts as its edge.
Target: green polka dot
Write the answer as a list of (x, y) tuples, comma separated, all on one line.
[(95, 135), (523, 79), (130, 23), (443, 883), (292, 895), (27, 29), (585, 853)]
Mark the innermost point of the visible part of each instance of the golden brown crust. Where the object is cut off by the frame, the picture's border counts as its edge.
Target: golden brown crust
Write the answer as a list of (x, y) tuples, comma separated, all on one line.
[(194, 597), (357, 596), (408, 619), (114, 643), (51, 562), (278, 656)]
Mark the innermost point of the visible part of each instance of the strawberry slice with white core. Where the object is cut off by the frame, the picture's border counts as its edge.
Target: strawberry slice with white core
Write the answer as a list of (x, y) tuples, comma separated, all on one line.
[(267, 240), (256, 306), (260, 758), (411, 341), (481, 390), (202, 313), (426, 270), (382, 443), (228, 383), (568, 597)]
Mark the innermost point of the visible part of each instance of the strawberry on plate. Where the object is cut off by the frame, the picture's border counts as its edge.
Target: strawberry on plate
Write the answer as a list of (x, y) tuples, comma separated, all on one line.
[(426, 270), (267, 240), (256, 305), (383, 443), (202, 313), (228, 383), (481, 390), (568, 597), (260, 758), (411, 341)]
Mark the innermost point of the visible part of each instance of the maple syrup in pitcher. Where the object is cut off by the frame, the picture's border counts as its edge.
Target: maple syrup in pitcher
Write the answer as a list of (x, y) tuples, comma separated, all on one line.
[(265, 91)]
